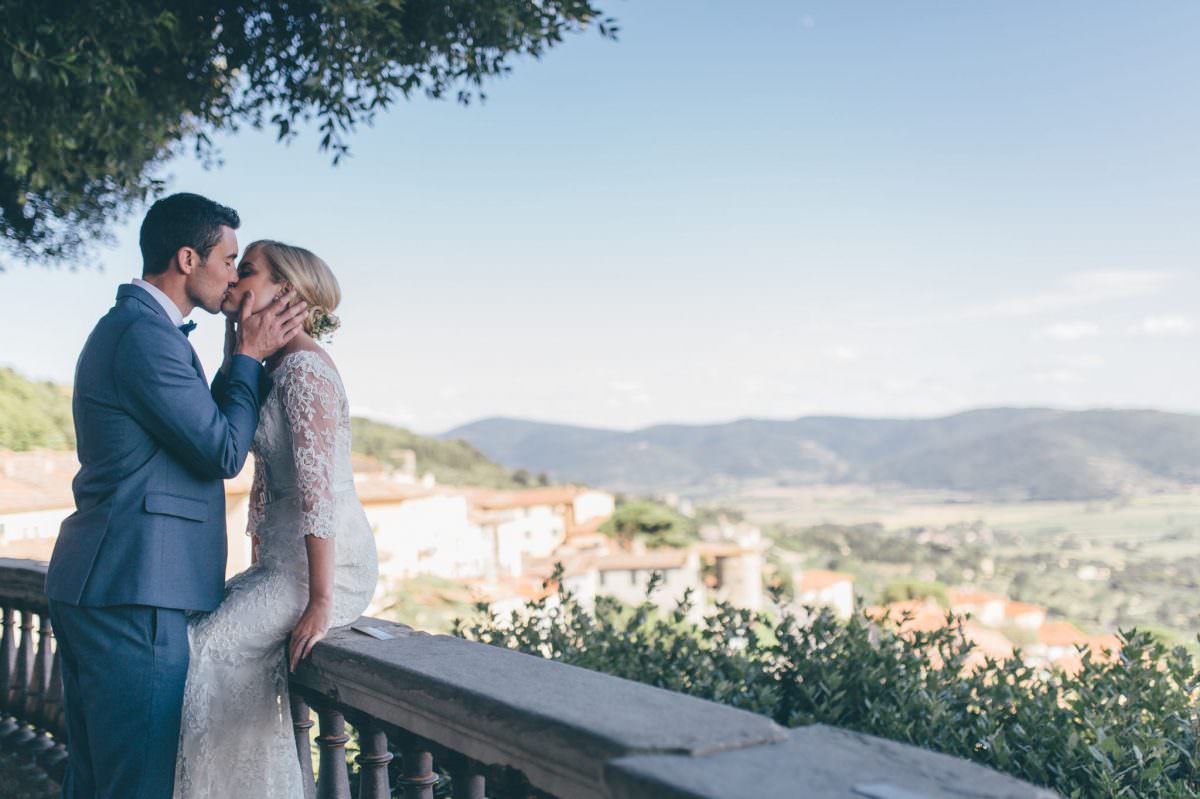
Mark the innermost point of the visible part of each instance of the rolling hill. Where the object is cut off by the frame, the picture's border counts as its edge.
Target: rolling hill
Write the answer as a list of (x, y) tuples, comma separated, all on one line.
[(1006, 453), (38, 415), (34, 414)]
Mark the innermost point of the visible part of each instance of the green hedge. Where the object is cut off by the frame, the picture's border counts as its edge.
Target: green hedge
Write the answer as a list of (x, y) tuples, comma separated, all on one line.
[(1123, 727)]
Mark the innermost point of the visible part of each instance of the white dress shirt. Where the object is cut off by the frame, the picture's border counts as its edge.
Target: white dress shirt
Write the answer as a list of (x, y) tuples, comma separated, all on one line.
[(166, 302)]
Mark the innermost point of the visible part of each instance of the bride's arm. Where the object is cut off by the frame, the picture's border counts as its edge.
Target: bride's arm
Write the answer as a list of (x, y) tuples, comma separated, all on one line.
[(311, 401), (315, 622)]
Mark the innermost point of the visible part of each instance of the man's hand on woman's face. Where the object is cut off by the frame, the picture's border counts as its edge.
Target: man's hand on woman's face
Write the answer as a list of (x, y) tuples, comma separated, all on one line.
[(262, 334)]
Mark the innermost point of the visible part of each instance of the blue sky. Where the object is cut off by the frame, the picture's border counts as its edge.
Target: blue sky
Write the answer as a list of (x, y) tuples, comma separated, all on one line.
[(745, 209)]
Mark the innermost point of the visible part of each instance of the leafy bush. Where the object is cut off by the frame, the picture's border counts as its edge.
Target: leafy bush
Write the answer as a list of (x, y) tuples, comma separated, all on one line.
[(1121, 727)]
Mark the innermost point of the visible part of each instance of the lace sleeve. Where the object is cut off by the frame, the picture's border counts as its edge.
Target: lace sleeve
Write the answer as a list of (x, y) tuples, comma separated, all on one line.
[(257, 491), (310, 399)]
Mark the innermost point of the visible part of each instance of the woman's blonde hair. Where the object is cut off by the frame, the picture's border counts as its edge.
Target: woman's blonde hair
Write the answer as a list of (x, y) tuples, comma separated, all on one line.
[(312, 279)]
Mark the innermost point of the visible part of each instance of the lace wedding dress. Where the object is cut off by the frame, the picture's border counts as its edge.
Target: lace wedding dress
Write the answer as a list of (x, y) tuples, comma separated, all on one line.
[(236, 738)]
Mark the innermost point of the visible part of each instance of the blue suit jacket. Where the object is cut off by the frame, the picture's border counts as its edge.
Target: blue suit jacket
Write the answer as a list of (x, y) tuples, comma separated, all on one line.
[(155, 444)]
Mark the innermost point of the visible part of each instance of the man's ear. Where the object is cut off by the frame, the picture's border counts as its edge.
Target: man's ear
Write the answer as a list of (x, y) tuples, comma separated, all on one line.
[(188, 259)]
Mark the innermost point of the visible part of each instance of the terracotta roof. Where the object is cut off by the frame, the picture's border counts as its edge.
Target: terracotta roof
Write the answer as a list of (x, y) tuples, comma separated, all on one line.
[(1104, 648), (1071, 663), (1060, 633), (39, 479), (524, 588), (1105, 644), (366, 464), (380, 489), (968, 596), (1015, 608), (816, 579), (491, 499), (926, 616), (926, 620), (988, 642)]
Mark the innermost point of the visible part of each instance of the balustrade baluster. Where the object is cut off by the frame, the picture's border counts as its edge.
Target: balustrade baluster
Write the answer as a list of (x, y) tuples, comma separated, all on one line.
[(36, 698), (38, 705), (334, 780), (25, 663), (417, 776), (302, 723), (55, 713), (468, 778), (8, 664), (54, 760), (373, 762)]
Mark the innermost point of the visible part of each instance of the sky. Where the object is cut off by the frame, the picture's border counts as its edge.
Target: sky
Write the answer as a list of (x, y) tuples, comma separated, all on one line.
[(751, 209)]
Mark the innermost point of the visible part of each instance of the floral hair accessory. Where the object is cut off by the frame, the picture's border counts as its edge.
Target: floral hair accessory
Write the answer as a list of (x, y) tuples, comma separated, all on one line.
[(322, 324)]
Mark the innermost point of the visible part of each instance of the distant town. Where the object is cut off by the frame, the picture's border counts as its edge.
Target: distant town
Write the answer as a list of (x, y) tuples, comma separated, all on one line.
[(501, 546)]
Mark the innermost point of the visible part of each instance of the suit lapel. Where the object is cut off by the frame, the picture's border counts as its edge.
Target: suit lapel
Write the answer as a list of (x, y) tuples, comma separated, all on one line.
[(144, 297)]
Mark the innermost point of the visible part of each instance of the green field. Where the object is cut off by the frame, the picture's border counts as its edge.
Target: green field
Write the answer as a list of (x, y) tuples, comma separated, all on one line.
[(1106, 565)]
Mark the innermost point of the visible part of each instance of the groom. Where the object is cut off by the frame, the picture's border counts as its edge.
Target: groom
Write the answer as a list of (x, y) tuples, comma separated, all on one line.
[(147, 541)]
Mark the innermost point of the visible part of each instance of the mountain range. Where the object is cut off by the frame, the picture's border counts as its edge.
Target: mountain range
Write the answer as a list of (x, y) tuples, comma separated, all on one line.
[(1000, 453), (1005, 453)]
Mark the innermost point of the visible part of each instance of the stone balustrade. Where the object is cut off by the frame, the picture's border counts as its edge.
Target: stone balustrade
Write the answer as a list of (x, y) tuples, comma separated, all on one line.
[(501, 724)]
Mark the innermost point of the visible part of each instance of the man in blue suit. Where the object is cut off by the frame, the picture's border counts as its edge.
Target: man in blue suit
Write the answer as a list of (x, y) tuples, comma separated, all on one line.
[(147, 540)]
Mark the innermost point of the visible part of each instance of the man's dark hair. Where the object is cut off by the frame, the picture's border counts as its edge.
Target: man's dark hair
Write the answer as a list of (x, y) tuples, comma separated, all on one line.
[(182, 220)]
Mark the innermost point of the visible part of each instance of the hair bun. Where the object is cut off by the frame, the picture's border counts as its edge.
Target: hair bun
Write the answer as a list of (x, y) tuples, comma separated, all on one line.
[(321, 324)]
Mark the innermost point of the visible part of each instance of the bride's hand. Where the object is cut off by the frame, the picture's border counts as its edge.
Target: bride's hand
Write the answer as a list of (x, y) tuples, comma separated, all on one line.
[(311, 628)]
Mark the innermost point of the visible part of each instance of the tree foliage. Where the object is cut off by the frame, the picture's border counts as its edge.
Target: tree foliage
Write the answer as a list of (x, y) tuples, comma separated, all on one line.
[(98, 97), (34, 414), (653, 523), (901, 590), (1127, 726)]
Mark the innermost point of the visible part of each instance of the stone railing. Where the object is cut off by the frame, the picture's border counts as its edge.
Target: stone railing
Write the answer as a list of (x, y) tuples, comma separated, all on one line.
[(32, 725), (502, 724)]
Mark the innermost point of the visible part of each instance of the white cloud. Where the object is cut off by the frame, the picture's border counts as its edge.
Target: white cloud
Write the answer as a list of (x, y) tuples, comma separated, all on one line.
[(843, 354), (1056, 377), (1090, 361), (1080, 289), (1166, 325), (900, 386), (1071, 331), (627, 391)]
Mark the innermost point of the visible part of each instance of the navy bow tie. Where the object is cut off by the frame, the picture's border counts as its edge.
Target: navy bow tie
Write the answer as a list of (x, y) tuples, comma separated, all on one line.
[(187, 327)]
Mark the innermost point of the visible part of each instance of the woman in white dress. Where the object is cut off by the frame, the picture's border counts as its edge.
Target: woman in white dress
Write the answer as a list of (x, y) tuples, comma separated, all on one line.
[(314, 556)]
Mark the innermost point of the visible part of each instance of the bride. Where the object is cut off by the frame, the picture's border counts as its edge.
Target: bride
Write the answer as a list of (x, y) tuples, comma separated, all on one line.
[(314, 562)]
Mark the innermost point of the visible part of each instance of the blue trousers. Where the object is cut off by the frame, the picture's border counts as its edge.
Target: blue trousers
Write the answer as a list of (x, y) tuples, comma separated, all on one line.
[(123, 670)]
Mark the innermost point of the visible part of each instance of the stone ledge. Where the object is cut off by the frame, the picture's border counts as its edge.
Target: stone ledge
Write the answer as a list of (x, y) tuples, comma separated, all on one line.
[(558, 724), (25, 582), (817, 762), (581, 734)]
